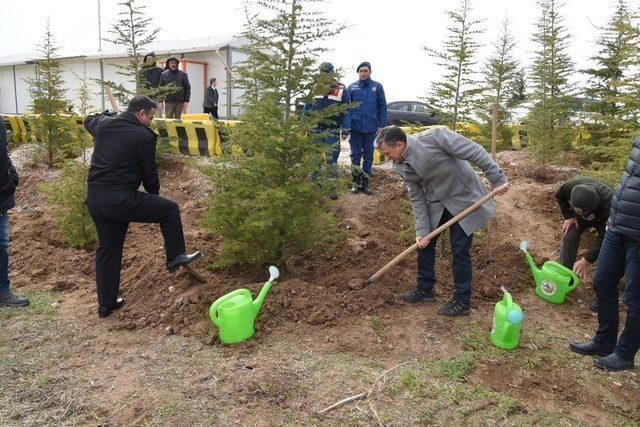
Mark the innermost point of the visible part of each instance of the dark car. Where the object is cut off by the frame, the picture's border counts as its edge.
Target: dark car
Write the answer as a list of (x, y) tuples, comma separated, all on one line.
[(403, 113)]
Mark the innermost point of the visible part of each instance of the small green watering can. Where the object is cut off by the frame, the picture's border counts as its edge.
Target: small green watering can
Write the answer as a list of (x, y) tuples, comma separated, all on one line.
[(507, 322), (235, 312), (553, 281)]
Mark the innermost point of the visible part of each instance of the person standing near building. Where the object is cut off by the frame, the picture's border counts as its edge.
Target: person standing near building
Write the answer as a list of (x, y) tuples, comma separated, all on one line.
[(8, 183), (176, 102), (363, 122), (211, 96), (151, 75)]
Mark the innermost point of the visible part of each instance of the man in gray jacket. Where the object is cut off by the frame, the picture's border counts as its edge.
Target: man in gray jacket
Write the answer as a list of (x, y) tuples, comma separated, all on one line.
[(435, 166)]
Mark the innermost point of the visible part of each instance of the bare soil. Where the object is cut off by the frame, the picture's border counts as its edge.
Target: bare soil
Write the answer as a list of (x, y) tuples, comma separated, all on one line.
[(321, 335)]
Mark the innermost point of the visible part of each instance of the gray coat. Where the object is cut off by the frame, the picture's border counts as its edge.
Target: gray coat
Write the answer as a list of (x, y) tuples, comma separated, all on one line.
[(438, 175)]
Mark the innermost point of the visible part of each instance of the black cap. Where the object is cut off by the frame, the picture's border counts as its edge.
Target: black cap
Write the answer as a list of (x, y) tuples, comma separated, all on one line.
[(364, 64), (585, 198)]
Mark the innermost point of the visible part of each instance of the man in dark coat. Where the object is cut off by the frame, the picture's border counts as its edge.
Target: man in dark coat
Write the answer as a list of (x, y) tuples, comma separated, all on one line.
[(619, 257), (8, 184), (584, 202), (177, 101), (151, 75), (211, 96), (123, 157)]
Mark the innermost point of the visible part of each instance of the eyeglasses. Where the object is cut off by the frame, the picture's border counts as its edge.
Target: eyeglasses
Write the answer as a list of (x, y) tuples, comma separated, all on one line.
[(580, 212)]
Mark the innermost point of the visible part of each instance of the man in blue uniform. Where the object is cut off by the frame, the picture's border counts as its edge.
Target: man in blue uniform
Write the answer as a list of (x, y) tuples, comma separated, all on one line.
[(364, 121), (330, 93)]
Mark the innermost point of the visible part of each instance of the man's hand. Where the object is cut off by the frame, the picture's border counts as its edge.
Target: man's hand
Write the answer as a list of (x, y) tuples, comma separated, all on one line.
[(580, 267), (422, 241), (502, 189), (568, 223), (184, 107)]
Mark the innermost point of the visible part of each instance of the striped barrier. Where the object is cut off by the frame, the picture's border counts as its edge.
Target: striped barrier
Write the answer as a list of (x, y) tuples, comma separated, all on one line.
[(190, 137)]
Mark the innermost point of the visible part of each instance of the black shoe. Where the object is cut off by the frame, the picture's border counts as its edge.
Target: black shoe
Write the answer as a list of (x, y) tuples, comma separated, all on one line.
[(419, 296), (183, 259), (10, 299), (613, 362), (594, 305), (357, 183), (365, 186), (106, 310), (454, 308), (590, 348)]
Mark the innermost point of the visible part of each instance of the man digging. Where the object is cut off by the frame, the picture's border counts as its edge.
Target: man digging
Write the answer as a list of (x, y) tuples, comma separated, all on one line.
[(436, 168)]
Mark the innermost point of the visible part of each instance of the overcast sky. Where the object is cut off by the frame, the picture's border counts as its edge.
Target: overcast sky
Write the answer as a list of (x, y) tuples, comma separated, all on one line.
[(391, 34)]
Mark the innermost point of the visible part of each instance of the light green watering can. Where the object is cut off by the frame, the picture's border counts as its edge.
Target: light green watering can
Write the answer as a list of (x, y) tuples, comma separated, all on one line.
[(507, 322), (235, 312), (553, 281)]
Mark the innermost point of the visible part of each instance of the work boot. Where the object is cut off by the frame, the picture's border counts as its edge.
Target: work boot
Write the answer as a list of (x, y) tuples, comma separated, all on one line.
[(183, 259), (10, 299), (357, 183), (613, 362), (454, 308), (365, 186), (418, 295), (106, 310), (590, 348)]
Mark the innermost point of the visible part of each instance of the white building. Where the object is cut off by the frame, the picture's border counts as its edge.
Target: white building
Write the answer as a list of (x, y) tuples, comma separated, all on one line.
[(201, 59)]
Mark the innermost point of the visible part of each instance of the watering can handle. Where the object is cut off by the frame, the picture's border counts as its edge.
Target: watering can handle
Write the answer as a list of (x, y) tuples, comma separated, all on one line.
[(575, 281), (213, 311)]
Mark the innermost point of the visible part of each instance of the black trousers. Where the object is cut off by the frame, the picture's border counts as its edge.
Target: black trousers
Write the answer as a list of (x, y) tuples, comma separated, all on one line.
[(212, 110), (112, 212)]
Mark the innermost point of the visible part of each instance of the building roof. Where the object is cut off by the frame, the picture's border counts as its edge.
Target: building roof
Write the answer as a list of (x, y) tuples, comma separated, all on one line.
[(159, 47)]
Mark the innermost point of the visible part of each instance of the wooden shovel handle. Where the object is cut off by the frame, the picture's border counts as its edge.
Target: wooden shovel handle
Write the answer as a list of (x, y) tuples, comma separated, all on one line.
[(431, 235)]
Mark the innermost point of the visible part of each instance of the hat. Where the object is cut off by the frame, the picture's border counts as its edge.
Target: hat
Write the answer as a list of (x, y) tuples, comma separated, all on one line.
[(326, 67), (364, 64), (585, 198)]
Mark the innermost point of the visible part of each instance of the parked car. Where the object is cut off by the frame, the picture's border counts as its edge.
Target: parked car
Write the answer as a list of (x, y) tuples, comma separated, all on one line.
[(402, 113)]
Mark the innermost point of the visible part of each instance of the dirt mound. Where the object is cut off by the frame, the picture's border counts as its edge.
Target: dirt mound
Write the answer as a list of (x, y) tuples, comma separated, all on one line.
[(325, 288)]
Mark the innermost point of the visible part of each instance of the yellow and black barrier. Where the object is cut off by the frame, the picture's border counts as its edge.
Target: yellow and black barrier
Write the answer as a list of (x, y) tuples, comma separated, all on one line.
[(190, 137)]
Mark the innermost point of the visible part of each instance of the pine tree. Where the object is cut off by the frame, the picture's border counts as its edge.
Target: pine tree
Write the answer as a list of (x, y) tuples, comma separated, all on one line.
[(500, 75), (132, 31), (548, 122), (615, 90), (53, 128), (265, 206), (68, 194), (456, 94)]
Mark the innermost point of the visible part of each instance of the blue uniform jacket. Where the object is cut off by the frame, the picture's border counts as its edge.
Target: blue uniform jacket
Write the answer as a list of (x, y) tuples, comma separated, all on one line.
[(370, 112), (320, 102)]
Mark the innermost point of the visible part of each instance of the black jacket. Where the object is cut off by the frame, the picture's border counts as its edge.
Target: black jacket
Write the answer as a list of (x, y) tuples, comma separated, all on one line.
[(151, 76), (210, 97), (625, 207), (124, 154), (181, 80), (8, 174), (563, 196)]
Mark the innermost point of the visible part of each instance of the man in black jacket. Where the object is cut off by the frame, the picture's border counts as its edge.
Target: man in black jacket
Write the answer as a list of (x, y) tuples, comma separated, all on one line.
[(584, 202), (123, 157), (211, 96), (619, 256), (176, 102), (8, 184), (151, 74)]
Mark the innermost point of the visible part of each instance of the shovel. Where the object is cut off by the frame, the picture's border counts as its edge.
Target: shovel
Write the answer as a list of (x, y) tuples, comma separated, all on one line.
[(431, 235)]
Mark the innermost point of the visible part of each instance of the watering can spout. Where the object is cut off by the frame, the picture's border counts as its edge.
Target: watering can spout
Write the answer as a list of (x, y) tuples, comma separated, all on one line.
[(257, 303), (532, 264)]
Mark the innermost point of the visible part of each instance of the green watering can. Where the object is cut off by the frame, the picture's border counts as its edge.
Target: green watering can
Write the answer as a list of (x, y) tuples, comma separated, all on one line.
[(235, 312), (507, 322), (553, 281)]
